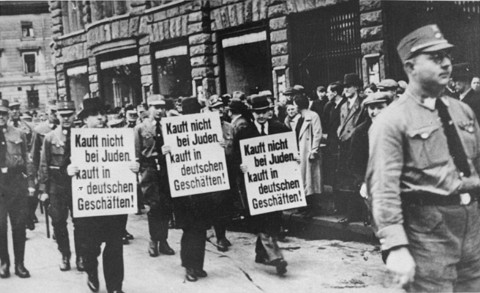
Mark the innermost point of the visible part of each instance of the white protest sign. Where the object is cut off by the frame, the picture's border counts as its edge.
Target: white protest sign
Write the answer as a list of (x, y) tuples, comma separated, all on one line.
[(197, 162), (105, 184), (273, 181)]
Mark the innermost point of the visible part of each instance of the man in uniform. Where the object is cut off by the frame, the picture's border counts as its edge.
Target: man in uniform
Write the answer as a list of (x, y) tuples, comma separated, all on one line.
[(55, 184), (423, 175), (267, 225), (39, 133), (13, 189), (154, 176)]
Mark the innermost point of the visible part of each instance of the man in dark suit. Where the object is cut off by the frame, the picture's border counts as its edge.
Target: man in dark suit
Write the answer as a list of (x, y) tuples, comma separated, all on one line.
[(268, 225), (463, 77), (317, 101)]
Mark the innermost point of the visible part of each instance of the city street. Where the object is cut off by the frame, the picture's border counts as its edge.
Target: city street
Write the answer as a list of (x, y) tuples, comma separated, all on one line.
[(314, 266)]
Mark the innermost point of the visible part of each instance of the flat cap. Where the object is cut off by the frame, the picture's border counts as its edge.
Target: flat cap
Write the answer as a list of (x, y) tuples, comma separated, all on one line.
[(376, 98), (387, 83), (66, 106), (428, 38), (215, 101), (156, 100)]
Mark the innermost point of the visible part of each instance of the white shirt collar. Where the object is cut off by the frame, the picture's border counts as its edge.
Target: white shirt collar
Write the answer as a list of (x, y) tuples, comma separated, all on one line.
[(430, 102), (462, 96), (259, 127)]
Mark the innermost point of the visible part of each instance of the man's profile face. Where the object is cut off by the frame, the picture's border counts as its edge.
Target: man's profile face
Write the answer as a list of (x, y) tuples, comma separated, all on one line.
[(350, 91), (330, 94), (476, 84), (96, 120), (432, 70)]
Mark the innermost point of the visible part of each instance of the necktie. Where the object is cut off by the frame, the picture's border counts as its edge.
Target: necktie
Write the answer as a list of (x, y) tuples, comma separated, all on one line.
[(455, 146), (158, 138), (66, 131), (263, 129), (15, 123)]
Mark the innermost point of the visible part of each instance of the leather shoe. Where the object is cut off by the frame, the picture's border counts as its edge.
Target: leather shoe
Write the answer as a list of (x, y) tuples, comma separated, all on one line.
[(190, 275), (92, 281), (153, 248), (125, 240), (260, 259), (128, 235), (164, 248), (222, 245), (281, 266), (4, 271), (30, 225), (21, 271), (65, 264), (200, 273), (35, 219), (80, 264)]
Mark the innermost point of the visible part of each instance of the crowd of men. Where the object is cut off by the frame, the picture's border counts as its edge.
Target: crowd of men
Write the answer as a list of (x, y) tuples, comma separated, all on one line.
[(414, 168)]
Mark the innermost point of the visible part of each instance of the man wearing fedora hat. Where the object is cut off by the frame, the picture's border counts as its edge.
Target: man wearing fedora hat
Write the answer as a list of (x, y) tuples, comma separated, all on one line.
[(101, 229), (423, 175), (154, 179), (13, 189), (351, 115), (55, 184), (268, 225)]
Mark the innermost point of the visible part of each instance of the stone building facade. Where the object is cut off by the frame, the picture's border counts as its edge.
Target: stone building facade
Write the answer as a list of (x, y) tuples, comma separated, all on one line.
[(124, 50), (26, 69)]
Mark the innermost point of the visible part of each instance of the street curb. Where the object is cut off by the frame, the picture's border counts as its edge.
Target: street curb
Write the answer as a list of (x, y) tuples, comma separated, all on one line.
[(326, 227)]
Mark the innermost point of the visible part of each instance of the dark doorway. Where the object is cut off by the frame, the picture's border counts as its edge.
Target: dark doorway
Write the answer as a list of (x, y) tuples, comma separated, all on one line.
[(120, 80), (325, 44)]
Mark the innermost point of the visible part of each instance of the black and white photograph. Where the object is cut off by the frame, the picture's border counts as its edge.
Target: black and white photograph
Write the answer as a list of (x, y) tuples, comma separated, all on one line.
[(242, 146)]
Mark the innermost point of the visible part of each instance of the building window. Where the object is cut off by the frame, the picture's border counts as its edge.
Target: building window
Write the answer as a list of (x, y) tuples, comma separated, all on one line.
[(29, 62), (104, 9), (76, 79), (173, 72), (72, 16), (27, 29), (32, 98)]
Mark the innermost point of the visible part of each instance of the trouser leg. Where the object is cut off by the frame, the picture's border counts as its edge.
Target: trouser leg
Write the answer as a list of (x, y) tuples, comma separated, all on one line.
[(220, 229), (193, 248), (58, 211), (18, 213), (4, 257), (113, 268), (158, 225)]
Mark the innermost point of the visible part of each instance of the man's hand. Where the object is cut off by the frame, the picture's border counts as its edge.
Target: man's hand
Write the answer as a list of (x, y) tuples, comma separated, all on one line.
[(72, 170), (31, 191), (401, 264), (134, 167), (43, 197), (166, 149)]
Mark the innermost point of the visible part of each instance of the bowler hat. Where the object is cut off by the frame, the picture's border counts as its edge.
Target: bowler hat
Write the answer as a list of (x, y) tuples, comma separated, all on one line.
[(91, 106), (352, 79), (4, 105), (260, 103), (237, 106), (190, 105), (428, 38)]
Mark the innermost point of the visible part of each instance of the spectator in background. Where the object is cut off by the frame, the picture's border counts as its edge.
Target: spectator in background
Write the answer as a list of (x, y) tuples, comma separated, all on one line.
[(292, 116), (332, 143), (389, 86), (358, 160), (308, 130), (318, 100), (370, 89), (239, 95), (476, 84), (351, 114), (462, 76)]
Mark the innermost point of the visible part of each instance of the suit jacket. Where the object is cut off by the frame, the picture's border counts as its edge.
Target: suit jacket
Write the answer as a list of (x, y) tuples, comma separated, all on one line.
[(359, 152), (349, 119), (473, 100), (317, 107)]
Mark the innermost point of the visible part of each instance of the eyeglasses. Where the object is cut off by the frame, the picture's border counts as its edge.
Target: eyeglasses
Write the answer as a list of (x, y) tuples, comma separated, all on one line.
[(438, 56)]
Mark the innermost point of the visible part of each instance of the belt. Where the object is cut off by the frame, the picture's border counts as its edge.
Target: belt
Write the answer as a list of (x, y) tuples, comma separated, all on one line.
[(428, 199)]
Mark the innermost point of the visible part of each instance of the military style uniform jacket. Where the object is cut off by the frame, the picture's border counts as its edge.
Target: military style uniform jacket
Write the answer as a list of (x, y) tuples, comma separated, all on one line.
[(25, 128), (38, 136), (16, 163), (54, 160), (412, 157)]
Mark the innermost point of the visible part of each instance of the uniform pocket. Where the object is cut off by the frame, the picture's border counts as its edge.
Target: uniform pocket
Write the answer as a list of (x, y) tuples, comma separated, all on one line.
[(428, 146), (423, 219), (14, 153)]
